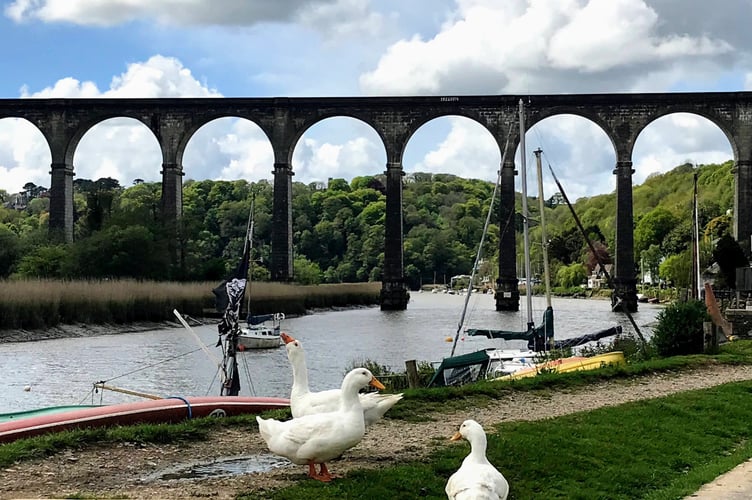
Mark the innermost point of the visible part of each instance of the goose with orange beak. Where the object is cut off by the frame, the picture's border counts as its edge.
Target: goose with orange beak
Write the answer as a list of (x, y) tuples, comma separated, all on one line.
[(476, 477), (317, 439), (304, 402)]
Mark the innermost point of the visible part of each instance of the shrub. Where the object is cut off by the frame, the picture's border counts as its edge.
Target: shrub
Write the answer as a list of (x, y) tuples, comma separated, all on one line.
[(679, 329)]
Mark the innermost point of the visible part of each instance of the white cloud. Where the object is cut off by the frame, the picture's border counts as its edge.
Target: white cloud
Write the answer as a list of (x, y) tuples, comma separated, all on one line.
[(121, 148), (541, 46), (317, 160), (343, 18), (333, 17), (468, 150), (578, 151), (159, 76), (603, 28)]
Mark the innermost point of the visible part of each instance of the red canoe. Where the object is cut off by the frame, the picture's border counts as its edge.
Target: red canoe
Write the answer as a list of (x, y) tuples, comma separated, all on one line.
[(168, 410)]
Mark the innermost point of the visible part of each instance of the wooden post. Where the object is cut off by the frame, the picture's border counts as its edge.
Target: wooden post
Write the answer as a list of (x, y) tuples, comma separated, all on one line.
[(413, 381), (710, 336)]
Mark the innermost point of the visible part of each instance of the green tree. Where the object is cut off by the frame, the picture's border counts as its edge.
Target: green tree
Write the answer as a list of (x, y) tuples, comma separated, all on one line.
[(571, 275), (131, 252), (10, 250), (306, 272), (651, 261), (338, 185), (653, 227), (677, 269), (48, 261)]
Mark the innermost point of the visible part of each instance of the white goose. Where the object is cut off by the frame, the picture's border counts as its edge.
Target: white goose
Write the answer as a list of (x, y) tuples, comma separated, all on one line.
[(316, 439), (304, 402), (476, 478)]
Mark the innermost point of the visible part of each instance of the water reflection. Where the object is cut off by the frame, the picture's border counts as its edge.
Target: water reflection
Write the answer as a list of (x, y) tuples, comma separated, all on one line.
[(169, 362), (222, 467)]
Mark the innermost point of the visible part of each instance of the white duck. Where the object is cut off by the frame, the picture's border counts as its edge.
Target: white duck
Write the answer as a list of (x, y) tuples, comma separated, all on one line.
[(304, 402), (316, 439), (476, 478)]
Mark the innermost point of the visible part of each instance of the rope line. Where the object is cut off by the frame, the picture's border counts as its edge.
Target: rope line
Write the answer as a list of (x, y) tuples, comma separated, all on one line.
[(153, 365), (187, 403)]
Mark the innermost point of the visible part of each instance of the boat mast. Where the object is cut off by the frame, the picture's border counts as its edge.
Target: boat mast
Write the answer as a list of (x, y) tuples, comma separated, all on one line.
[(544, 237), (479, 253), (696, 276), (249, 243), (525, 215), (231, 384)]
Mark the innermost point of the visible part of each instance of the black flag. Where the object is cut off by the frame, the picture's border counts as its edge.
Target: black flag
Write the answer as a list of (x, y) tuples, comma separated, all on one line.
[(229, 294)]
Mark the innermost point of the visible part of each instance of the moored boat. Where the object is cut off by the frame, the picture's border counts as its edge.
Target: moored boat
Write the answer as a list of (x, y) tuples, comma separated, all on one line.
[(262, 332)]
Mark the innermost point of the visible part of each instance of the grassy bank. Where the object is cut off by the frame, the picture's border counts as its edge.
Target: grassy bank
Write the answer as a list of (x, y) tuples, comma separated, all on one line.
[(663, 448), (35, 304)]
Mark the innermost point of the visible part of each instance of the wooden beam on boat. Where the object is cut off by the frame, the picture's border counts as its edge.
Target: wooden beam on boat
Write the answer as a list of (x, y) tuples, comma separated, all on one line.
[(101, 385)]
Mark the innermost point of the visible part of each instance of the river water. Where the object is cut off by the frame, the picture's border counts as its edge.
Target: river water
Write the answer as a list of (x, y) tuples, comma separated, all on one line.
[(170, 362)]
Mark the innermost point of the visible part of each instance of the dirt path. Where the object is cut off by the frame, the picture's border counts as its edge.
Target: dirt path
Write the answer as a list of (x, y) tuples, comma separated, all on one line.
[(127, 470)]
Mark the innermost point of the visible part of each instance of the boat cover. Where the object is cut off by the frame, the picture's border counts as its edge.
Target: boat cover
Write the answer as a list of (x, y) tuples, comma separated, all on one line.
[(259, 318), (584, 339), (533, 336), (461, 369)]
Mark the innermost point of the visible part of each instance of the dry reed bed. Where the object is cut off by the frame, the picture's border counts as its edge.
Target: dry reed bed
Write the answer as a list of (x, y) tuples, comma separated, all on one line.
[(36, 304)]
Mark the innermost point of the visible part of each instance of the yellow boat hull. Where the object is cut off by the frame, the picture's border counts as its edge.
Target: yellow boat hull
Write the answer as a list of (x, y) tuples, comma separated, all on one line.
[(572, 364)]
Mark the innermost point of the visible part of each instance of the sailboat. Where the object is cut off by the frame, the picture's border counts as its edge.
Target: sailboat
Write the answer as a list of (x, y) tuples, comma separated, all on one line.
[(232, 337), (263, 331), (541, 338), (498, 362)]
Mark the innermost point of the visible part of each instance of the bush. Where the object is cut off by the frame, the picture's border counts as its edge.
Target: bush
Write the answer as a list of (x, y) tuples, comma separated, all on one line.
[(679, 329)]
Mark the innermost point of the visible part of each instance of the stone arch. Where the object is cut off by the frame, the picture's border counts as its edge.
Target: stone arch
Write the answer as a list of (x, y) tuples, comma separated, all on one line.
[(427, 118), (722, 125), (238, 126), (190, 131), (86, 126), (120, 133), (11, 127), (353, 121), (457, 126), (591, 116), (555, 148)]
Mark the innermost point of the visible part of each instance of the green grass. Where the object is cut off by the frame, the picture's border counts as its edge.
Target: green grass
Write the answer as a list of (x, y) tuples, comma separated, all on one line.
[(655, 449)]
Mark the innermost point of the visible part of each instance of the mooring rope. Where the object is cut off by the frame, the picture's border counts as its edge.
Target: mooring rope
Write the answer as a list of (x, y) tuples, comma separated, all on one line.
[(153, 365)]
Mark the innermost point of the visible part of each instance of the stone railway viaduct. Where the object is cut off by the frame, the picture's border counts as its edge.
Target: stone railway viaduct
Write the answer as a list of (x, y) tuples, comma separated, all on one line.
[(63, 122)]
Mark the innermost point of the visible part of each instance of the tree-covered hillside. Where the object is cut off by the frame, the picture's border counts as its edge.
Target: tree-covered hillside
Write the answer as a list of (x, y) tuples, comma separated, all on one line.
[(338, 230)]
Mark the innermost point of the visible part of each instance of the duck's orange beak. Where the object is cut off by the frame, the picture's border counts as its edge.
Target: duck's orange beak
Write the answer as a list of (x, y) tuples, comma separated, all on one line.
[(286, 338), (456, 436), (375, 383)]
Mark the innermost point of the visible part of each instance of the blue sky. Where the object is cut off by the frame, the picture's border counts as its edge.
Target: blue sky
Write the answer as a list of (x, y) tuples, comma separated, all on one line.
[(261, 48)]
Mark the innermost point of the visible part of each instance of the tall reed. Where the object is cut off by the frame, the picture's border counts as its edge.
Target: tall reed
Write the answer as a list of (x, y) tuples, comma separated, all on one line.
[(36, 304)]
